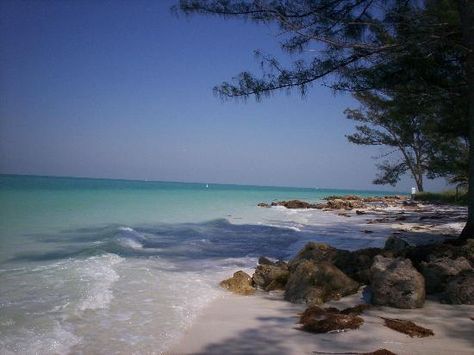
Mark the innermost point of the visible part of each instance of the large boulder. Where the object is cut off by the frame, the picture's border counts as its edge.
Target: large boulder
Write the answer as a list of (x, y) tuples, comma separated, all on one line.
[(396, 283), (460, 290), (271, 276), (356, 264), (439, 271), (315, 252), (240, 283), (316, 283)]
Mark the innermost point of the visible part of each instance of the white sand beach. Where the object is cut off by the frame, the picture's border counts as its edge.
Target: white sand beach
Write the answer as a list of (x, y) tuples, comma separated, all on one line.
[(266, 324)]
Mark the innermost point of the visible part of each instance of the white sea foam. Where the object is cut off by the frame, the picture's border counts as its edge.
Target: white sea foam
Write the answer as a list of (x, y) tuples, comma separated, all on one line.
[(100, 275)]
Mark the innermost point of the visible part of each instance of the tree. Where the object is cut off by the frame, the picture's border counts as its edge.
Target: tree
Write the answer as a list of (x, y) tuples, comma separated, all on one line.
[(353, 38), (400, 126)]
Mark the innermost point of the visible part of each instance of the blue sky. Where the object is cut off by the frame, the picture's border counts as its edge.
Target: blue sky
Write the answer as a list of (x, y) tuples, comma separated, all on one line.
[(123, 89)]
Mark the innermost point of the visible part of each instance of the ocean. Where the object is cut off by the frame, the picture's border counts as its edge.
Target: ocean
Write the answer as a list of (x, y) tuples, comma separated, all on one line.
[(120, 267)]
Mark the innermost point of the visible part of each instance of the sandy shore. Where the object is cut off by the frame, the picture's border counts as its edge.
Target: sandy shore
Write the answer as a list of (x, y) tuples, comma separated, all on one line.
[(266, 324)]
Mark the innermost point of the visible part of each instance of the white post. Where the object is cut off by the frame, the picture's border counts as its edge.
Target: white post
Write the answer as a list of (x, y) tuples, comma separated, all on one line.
[(413, 192)]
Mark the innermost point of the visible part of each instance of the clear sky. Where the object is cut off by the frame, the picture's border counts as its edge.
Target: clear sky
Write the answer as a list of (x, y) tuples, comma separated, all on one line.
[(123, 89)]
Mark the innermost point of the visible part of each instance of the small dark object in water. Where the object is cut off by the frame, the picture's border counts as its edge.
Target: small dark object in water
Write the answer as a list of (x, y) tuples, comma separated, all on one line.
[(367, 231), (359, 212), (407, 327)]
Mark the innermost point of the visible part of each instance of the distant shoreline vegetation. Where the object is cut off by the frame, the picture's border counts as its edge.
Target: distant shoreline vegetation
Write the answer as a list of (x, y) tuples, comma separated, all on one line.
[(445, 197)]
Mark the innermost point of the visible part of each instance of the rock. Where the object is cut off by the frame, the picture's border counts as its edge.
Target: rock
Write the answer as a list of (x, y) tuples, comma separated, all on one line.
[(294, 204), (271, 277), (396, 244), (265, 261), (437, 272), (356, 264), (316, 283), (315, 252), (339, 204), (359, 212), (396, 283), (450, 249), (460, 290), (263, 204), (240, 283), (407, 327), (318, 320)]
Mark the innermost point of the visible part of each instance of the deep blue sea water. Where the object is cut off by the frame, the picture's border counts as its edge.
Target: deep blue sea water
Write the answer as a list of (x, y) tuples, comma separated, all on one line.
[(117, 266)]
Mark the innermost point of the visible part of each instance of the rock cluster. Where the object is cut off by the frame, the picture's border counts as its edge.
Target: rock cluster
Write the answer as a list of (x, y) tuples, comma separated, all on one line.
[(399, 275), (347, 202)]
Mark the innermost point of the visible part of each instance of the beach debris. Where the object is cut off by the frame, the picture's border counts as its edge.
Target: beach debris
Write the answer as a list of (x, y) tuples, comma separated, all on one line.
[(316, 311), (356, 310), (460, 290), (271, 276), (376, 352), (240, 283), (396, 283), (316, 283), (437, 272), (319, 320), (407, 327)]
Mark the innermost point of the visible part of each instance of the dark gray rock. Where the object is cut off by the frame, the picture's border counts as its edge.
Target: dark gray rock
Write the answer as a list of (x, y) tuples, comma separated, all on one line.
[(315, 283), (271, 277), (438, 272), (396, 283), (396, 244), (460, 290)]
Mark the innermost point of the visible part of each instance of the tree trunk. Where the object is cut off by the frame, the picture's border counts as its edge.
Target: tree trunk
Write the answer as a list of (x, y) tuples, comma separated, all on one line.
[(466, 11), (419, 185)]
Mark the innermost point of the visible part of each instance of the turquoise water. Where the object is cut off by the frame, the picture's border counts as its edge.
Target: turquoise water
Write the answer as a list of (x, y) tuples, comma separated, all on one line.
[(84, 261)]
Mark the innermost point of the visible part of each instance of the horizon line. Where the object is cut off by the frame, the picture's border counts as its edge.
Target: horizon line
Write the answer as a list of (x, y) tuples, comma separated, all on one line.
[(192, 182)]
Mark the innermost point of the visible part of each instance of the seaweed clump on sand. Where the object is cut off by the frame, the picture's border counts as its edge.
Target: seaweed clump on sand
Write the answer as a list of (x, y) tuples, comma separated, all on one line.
[(376, 352), (323, 320), (407, 327)]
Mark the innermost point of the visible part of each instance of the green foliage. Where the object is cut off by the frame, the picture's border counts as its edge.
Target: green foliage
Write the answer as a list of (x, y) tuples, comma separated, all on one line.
[(450, 197)]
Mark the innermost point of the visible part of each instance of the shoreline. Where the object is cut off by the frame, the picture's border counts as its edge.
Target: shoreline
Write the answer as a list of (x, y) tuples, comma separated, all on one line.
[(264, 323)]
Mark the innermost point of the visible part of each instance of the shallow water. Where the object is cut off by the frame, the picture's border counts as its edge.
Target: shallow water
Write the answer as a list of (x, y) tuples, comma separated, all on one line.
[(112, 266)]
